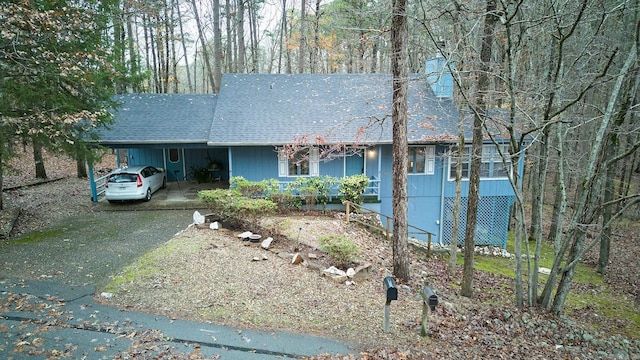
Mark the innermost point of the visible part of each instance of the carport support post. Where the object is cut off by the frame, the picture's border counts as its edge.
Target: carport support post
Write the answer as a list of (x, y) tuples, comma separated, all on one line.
[(92, 182)]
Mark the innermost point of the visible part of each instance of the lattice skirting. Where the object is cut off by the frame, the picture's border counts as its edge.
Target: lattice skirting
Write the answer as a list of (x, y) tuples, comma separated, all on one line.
[(492, 222)]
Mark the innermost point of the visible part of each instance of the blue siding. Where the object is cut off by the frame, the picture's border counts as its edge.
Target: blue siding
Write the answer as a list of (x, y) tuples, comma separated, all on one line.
[(426, 193), (259, 163), (254, 163), (145, 156)]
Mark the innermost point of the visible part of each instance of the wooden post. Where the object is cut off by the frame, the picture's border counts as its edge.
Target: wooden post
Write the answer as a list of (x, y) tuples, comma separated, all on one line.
[(423, 325), (387, 309), (347, 210), (429, 245), (387, 229)]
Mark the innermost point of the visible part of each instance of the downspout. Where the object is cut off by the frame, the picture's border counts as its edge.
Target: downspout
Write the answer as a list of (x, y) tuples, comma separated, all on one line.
[(379, 170), (230, 157), (444, 174), (184, 165)]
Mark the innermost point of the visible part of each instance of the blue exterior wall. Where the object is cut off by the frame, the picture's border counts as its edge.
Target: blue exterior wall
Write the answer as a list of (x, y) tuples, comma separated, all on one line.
[(430, 196), (145, 156), (260, 163), (430, 199)]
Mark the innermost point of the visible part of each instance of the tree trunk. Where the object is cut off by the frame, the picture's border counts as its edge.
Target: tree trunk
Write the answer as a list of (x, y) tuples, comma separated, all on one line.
[(453, 254), (41, 172), (303, 39), (283, 32), (203, 43), (240, 35), (81, 166), (401, 267), (133, 55), (584, 206), (476, 147), (315, 54), (184, 50), (229, 57), (217, 46), (253, 36)]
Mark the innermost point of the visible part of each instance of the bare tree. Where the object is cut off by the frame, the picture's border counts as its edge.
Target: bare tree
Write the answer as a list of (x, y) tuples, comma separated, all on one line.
[(479, 114), (203, 42), (217, 46)]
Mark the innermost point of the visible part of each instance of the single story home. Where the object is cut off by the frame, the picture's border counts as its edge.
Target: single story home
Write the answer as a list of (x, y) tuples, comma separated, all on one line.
[(340, 123)]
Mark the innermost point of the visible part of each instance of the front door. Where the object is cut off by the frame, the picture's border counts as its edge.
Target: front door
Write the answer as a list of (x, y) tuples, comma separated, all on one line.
[(174, 158)]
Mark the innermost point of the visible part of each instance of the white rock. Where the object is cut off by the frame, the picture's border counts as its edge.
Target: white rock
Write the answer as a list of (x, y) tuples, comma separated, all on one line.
[(245, 235), (106, 295), (334, 271), (545, 271), (266, 243), (214, 225), (198, 218), (351, 272)]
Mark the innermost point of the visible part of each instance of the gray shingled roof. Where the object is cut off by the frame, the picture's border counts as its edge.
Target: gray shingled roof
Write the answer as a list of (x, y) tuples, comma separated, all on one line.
[(276, 109), (273, 109), (161, 119)]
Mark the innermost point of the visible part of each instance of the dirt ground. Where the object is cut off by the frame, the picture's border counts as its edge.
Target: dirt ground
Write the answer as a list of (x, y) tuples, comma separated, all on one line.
[(211, 275)]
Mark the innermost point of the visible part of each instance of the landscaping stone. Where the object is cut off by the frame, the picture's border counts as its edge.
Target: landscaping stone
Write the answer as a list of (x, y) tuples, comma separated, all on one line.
[(266, 243), (297, 259)]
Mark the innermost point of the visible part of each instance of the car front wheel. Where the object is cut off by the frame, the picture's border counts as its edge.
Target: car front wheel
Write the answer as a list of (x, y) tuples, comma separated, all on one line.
[(148, 195)]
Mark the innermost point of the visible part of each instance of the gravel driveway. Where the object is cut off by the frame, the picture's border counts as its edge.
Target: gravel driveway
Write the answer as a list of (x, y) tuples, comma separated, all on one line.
[(88, 249)]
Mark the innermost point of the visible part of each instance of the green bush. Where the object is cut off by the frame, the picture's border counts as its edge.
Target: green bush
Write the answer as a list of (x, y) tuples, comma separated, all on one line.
[(341, 249), (232, 207), (251, 189), (284, 200), (313, 189), (352, 187)]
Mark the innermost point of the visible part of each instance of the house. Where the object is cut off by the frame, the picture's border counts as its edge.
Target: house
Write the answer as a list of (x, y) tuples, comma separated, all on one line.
[(246, 128)]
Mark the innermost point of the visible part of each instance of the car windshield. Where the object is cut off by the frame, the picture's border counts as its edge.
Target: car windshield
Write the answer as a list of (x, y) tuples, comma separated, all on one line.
[(123, 178)]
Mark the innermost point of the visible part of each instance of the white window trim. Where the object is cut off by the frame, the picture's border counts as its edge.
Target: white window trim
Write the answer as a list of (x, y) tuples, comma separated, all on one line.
[(314, 164), (429, 159), (494, 159)]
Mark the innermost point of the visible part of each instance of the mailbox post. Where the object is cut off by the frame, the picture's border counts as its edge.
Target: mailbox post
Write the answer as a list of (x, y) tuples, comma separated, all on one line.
[(429, 301), (391, 292)]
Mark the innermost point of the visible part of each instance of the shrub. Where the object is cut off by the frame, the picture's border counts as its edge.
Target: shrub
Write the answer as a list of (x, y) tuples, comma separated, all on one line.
[(343, 250), (352, 187), (251, 189), (313, 189), (232, 207)]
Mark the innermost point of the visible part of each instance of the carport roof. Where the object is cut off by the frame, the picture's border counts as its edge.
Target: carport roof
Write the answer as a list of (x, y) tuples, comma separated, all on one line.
[(144, 119)]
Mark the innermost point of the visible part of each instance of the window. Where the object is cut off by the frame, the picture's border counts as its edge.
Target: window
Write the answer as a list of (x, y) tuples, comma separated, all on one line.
[(302, 163), (174, 155), (421, 159), (492, 166)]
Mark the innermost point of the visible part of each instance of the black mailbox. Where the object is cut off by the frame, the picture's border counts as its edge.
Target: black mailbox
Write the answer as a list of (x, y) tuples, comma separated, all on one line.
[(429, 297), (390, 288)]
